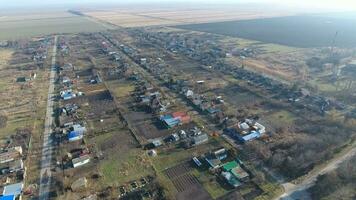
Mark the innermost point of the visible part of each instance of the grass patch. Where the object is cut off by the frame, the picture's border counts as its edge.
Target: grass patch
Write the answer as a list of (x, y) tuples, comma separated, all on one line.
[(120, 171), (209, 183), (121, 89), (282, 117), (170, 158)]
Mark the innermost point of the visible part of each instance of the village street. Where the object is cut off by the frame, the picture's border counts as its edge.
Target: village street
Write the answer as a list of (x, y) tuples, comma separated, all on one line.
[(45, 179)]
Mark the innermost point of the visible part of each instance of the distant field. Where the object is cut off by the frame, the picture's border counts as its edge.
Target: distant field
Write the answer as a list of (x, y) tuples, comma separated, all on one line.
[(151, 17), (298, 31), (31, 25)]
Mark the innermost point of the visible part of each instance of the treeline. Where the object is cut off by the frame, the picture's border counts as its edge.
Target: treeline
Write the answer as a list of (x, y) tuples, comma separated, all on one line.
[(295, 153), (338, 184)]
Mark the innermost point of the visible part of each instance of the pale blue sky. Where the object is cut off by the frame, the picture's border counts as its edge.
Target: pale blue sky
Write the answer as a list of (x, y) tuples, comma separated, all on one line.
[(336, 5)]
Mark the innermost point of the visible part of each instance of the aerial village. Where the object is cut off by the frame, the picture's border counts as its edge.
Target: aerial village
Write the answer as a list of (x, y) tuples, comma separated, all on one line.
[(147, 114), (25, 74)]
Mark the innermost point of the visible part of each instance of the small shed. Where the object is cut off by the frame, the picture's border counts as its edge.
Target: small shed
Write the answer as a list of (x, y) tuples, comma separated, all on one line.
[(82, 160)]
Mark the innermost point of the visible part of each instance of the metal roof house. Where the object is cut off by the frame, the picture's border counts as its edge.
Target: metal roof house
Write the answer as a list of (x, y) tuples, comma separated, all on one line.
[(174, 119), (10, 154), (75, 135), (13, 189), (231, 179), (169, 121), (199, 139), (252, 135), (8, 197), (82, 160), (235, 169)]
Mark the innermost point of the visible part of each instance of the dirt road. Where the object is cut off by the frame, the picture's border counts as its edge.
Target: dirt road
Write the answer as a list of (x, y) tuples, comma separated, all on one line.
[(46, 160), (298, 191)]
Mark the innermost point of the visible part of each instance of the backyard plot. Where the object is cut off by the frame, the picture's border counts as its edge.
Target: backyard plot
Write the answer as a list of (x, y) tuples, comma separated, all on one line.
[(186, 184)]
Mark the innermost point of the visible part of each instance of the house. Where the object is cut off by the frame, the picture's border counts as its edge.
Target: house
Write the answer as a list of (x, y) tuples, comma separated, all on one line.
[(79, 128), (182, 116), (250, 136), (174, 119), (169, 121), (67, 94), (70, 108), (221, 154), (13, 190), (235, 169), (10, 154), (231, 179), (157, 142), (214, 158), (75, 135), (12, 166), (82, 160), (240, 173), (8, 197), (66, 80), (200, 139), (212, 161), (246, 130)]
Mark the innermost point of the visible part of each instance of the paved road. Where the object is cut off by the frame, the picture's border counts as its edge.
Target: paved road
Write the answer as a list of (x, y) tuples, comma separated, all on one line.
[(296, 192), (46, 161)]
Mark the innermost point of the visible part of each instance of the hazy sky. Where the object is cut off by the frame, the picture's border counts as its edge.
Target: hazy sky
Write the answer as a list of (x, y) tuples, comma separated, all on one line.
[(330, 5)]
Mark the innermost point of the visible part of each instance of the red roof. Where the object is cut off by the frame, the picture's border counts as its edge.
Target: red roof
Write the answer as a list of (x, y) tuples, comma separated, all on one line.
[(179, 114)]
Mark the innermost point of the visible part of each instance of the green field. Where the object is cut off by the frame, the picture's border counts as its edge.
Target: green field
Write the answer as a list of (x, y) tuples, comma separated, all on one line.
[(17, 28)]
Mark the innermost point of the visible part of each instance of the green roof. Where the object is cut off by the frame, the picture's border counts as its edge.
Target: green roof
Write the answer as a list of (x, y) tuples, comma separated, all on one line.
[(230, 165)]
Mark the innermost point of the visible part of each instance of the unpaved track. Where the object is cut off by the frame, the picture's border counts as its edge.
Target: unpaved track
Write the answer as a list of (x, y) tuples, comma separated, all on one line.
[(298, 191), (46, 160)]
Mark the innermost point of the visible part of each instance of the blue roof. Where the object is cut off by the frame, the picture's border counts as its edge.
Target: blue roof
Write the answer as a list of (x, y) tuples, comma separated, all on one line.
[(13, 189), (74, 134), (67, 96), (7, 197), (166, 117), (213, 110), (169, 120)]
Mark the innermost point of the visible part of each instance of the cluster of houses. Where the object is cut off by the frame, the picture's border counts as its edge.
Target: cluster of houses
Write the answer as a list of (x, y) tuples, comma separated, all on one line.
[(246, 130), (208, 53), (149, 97), (200, 49), (232, 171), (63, 47), (71, 131), (211, 106), (12, 173), (187, 137), (67, 92)]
